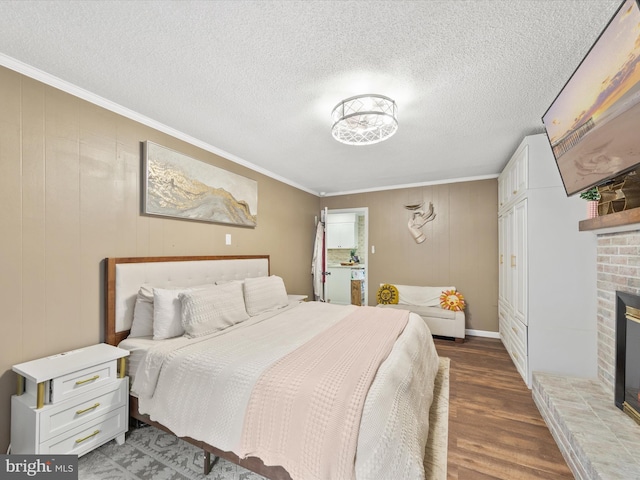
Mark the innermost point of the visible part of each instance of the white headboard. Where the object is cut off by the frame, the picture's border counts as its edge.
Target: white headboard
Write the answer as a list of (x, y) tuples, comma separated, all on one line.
[(124, 276)]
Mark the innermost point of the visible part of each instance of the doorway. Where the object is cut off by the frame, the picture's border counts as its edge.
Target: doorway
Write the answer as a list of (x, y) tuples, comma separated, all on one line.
[(346, 253)]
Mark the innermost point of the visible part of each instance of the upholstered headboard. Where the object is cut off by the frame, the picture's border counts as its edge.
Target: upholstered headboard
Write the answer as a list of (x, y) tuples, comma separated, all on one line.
[(124, 276)]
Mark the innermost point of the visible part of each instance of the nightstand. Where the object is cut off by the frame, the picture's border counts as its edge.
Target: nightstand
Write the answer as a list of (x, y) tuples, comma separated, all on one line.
[(70, 403), (297, 298)]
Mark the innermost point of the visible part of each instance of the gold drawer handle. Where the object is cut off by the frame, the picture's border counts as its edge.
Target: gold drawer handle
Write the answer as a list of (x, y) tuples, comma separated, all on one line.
[(80, 440), (80, 412), (515, 191), (95, 377), (514, 330), (513, 260), (515, 355)]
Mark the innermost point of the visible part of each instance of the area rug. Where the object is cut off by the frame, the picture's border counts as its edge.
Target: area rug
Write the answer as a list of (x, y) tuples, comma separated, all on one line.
[(151, 454)]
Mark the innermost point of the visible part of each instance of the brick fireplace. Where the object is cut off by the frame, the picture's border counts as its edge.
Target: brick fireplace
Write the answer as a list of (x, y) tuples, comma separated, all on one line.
[(618, 269), (597, 439)]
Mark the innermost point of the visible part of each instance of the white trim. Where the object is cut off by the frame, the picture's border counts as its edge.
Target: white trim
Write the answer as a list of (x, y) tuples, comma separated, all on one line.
[(482, 333), (413, 185), (53, 81)]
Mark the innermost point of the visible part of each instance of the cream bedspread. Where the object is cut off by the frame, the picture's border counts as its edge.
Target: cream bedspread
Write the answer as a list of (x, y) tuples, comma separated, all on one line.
[(201, 387)]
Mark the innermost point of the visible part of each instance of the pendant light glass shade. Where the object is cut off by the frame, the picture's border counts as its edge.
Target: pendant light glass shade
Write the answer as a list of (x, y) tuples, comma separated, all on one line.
[(364, 119)]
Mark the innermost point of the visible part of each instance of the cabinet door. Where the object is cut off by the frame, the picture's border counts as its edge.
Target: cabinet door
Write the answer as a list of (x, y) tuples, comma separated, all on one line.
[(503, 326), (519, 261), (341, 235), (502, 256), (501, 195), (522, 171), (506, 272)]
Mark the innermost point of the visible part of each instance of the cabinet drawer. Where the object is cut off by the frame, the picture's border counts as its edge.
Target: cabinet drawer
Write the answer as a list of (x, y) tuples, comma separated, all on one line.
[(503, 328), (68, 386), (89, 435), (519, 334), (519, 360), (62, 417)]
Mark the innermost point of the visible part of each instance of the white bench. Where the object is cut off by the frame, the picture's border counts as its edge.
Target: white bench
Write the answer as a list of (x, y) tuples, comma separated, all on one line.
[(425, 301)]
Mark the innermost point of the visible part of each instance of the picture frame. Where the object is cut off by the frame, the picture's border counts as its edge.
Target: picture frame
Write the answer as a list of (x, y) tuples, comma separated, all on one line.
[(175, 185)]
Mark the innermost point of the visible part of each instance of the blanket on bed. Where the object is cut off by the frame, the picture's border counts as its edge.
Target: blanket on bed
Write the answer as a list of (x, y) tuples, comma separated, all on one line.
[(202, 388), (307, 407)]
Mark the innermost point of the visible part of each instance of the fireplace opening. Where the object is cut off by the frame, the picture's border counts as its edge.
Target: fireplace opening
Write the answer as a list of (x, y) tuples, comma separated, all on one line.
[(627, 390)]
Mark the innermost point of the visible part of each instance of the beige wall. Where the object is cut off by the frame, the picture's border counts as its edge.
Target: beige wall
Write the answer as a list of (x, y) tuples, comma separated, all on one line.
[(461, 247), (70, 196)]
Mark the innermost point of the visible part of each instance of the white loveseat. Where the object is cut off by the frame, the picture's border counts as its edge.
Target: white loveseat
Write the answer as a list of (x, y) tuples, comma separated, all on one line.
[(425, 301)]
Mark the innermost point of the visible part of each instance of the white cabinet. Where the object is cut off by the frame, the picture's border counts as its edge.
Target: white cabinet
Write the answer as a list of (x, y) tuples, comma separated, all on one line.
[(70, 403), (514, 179), (547, 271), (342, 230)]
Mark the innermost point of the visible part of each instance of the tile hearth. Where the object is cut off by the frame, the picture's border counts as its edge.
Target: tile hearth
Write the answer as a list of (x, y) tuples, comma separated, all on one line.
[(597, 440)]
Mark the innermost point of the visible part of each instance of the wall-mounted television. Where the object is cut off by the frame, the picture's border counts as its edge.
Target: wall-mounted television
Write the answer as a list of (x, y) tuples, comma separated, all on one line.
[(593, 125)]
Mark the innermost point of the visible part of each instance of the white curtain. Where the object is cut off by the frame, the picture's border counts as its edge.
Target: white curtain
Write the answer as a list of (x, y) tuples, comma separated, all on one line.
[(317, 264)]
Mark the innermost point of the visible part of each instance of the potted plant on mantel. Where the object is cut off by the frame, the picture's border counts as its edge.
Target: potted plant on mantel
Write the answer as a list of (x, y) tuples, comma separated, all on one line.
[(592, 196)]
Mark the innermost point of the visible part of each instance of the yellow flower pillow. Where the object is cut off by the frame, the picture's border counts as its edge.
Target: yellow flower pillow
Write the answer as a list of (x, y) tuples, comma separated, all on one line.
[(387, 295), (452, 300)]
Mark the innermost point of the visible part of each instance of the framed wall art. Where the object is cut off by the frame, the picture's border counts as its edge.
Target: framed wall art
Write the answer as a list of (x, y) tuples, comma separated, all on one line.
[(176, 185)]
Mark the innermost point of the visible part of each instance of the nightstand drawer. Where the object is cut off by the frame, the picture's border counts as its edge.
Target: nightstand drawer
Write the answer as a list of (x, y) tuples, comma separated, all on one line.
[(68, 386), (89, 435), (62, 417)]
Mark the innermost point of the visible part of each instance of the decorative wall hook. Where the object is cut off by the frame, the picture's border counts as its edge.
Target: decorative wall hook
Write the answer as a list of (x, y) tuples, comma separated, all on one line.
[(418, 219)]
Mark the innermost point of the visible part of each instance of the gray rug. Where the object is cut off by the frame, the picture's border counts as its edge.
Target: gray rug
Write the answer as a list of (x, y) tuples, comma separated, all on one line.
[(150, 454)]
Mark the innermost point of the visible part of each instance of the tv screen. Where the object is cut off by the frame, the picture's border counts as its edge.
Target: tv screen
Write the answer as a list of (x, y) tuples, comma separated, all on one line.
[(593, 125)]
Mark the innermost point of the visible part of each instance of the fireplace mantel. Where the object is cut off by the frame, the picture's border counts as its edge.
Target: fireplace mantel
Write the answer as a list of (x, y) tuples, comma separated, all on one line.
[(624, 221)]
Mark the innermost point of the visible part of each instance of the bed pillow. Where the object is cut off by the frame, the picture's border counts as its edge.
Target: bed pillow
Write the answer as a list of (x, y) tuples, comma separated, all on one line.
[(263, 294), (420, 296), (452, 300), (167, 311), (387, 294), (142, 324), (212, 309)]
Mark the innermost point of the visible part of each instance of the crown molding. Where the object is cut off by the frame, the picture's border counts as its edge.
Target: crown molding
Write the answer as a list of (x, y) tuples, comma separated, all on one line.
[(413, 185), (53, 81), (56, 82)]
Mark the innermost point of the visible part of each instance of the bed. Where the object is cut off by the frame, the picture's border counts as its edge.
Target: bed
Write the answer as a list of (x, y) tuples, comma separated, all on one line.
[(211, 387)]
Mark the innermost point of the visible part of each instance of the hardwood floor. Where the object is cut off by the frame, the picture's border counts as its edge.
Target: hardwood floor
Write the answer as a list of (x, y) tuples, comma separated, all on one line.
[(495, 429)]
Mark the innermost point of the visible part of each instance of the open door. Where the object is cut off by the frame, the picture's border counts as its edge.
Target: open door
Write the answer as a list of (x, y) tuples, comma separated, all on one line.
[(319, 261), (346, 239)]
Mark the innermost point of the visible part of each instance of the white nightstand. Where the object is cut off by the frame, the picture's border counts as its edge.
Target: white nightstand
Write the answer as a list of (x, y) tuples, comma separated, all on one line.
[(70, 403), (297, 298)]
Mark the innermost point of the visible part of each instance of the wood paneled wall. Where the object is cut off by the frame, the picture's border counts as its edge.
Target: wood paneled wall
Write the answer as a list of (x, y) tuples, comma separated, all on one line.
[(461, 247), (70, 196)]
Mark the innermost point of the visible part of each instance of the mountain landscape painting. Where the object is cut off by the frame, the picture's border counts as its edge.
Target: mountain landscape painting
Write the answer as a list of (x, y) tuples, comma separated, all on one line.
[(177, 185)]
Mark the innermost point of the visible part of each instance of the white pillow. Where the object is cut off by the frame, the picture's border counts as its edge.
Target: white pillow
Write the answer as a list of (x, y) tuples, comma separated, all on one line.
[(263, 294), (142, 324), (211, 309), (420, 296), (167, 311)]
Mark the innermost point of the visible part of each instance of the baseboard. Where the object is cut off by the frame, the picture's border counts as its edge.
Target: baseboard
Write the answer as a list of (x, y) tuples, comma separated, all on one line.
[(482, 333)]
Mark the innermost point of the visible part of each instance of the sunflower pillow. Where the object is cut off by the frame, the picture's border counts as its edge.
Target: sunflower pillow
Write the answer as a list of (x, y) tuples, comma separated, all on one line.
[(387, 294), (452, 300)]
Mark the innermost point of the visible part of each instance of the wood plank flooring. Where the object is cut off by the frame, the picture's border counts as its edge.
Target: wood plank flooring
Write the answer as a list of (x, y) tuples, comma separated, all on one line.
[(495, 428)]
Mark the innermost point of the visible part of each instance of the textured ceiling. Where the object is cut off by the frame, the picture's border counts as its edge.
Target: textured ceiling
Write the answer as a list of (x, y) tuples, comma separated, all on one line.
[(258, 79)]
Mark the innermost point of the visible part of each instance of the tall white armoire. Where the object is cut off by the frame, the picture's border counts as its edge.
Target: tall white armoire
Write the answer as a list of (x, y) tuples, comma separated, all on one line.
[(547, 292)]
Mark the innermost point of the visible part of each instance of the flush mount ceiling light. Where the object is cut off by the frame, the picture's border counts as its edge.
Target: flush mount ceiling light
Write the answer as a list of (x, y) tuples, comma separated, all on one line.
[(364, 119)]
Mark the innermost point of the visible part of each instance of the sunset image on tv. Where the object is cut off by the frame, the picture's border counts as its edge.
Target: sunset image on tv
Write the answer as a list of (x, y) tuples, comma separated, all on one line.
[(594, 123)]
